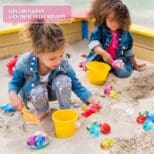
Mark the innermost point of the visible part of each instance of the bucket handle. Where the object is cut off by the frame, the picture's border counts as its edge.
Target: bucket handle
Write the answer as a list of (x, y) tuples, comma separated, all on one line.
[(80, 122)]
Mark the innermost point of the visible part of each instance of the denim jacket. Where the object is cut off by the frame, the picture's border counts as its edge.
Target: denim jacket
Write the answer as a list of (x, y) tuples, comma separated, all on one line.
[(102, 36), (26, 77)]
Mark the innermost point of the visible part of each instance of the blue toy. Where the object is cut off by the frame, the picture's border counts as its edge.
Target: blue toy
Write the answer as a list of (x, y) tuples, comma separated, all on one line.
[(38, 141), (148, 125), (151, 117), (94, 129), (7, 108)]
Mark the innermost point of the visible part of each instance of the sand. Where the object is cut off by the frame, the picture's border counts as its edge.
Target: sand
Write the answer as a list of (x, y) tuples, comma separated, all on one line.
[(136, 95)]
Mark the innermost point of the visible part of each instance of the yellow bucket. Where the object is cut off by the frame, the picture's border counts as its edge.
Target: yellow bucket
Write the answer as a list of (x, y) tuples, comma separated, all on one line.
[(97, 72), (65, 122)]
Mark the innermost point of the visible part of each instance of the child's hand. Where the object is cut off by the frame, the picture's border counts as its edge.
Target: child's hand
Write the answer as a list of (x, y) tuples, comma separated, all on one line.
[(139, 67), (92, 100), (16, 102), (104, 54), (107, 58), (41, 116)]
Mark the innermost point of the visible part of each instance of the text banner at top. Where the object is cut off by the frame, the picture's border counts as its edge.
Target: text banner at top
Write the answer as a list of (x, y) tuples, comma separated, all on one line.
[(51, 13)]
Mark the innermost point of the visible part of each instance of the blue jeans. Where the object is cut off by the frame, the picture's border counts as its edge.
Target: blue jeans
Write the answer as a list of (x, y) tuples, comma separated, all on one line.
[(59, 90), (123, 73)]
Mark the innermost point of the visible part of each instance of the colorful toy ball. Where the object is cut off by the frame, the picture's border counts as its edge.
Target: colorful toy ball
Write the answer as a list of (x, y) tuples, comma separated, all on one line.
[(38, 140), (105, 128)]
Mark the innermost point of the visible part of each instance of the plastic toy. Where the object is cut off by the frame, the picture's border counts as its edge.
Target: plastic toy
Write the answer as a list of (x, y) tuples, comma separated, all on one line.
[(27, 116), (150, 117), (113, 94), (148, 125), (107, 143), (108, 90), (83, 65), (105, 128), (91, 110), (11, 64), (141, 118), (147, 119), (117, 64), (7, 108), (84, 107), (38, 141), (94, 129)]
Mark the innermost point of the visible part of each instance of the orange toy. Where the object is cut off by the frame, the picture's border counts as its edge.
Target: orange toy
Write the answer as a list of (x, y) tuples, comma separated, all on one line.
[(27, 116)]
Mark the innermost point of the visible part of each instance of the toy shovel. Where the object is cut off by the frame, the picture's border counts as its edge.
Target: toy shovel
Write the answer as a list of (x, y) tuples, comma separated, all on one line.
[(27, 116)]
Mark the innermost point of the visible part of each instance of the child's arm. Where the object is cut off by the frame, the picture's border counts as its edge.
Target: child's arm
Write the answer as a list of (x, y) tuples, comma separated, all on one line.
[(83, 93), (95, 44), (16, 101), (16, 84), (92, 100), (105, 56)]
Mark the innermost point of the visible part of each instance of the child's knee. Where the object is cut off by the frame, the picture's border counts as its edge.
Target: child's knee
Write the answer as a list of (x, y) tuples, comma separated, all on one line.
[(39, 98), (61, 81), (39, 92), (62, 86), (122, 73)]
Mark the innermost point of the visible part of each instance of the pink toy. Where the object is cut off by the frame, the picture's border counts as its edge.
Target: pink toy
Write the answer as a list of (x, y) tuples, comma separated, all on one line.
[(107, 89), (91, 110), (117, 64), (83, 65), (11, 64)]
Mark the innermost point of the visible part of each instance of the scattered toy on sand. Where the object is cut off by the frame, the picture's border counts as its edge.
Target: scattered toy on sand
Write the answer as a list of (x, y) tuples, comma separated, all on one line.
[(91, 110), (107, 143), (38, 140), (7, 108), (11, 64), (28, 117)]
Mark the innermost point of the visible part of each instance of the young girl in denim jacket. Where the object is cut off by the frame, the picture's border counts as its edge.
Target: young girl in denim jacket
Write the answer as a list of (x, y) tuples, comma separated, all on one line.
[(111, 38), (43, 74)]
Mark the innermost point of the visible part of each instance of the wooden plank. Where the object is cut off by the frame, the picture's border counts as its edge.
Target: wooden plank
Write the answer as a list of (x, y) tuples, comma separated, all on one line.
[(17, 49), (145, 42), (143, 53), (72, 27), (14, 50), (71, 38), (15, 38)]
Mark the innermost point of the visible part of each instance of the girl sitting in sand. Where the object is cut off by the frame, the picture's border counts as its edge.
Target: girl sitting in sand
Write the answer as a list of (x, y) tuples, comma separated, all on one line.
[(111, 40), (43, 74)]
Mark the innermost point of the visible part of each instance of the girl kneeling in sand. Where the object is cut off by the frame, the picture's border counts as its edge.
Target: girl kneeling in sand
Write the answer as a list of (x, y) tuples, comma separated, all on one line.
[(43, 74)]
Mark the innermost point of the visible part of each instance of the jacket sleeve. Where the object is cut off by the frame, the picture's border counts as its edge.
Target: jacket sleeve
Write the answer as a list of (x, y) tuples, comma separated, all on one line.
[(127, 44), (127, 41), (82, 92), (95, 38), (17, 79)]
